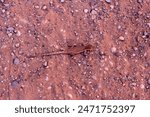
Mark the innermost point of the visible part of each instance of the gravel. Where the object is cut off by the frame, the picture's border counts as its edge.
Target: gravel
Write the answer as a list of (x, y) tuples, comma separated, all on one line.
[(10, 31), (148, 25), (139, 1), (113, 49), (17, 45), (45, 64), (14, 83), (44, 7), (121, 38), (108, 1), (148, 81), (2, 1), (62, 1), (16, 61), (85, 10)]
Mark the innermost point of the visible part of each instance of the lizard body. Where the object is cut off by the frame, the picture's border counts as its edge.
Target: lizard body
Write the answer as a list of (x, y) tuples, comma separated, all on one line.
[(73, 50)]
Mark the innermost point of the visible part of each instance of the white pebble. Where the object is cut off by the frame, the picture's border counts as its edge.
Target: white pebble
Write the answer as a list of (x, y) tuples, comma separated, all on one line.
[(121, 38), (113, 49), (85, 10), (108, 1), (62, 1)]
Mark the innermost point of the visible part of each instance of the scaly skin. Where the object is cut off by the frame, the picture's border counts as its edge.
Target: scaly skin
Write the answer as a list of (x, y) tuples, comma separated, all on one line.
[(73, 50)]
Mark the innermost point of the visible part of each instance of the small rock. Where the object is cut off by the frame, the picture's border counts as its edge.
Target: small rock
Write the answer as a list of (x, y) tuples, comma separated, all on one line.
[(85, 10), (62, 1), (37, 6), (148, 25), (10, 31), (113, 49), (45, 64), (119, 27), (1, 78), (46, 78), (121, 38), (145, 34), (17, 45), (3, 10), (140, 12), (108, 1), (14, 83), (93, 12), (7, 5), (16, 61), (24, 65), (148, 81), (139, 1), (2, 1), (133, 84), (142, 86), (18, 33), (44, 7), (111, 7)]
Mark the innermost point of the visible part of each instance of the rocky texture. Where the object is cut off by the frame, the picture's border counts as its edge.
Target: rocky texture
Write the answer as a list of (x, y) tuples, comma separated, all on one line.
[(118, 68)]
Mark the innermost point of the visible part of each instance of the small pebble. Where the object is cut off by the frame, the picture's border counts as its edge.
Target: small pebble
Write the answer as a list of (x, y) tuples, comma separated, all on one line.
[(113, 49), (24, 65), (46, 78), (7, 5), (139, 1), (3, 10), (21, 51), (148, 25), (119, 27), (142, 86), (85, 10), (145, 34), (18, 33), (10, 31), (44, 7), (108, 1), (45, 64), (1, 78), (62, 1), (93, 12), (111, 7), (2, 1), (14, 83), (17, 45), (133, 84), (148, 81), (37, 6), (121, 38), (16, 61)]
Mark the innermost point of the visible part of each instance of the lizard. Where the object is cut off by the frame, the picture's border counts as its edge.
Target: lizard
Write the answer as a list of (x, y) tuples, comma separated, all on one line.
[(72, 50)]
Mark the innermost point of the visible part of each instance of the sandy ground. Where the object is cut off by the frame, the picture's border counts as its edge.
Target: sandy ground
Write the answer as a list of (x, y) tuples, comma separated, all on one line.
[(117, 68)]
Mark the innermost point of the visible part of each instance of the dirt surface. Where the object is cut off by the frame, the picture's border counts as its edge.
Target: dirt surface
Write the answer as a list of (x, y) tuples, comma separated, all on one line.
[(117, 67)]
